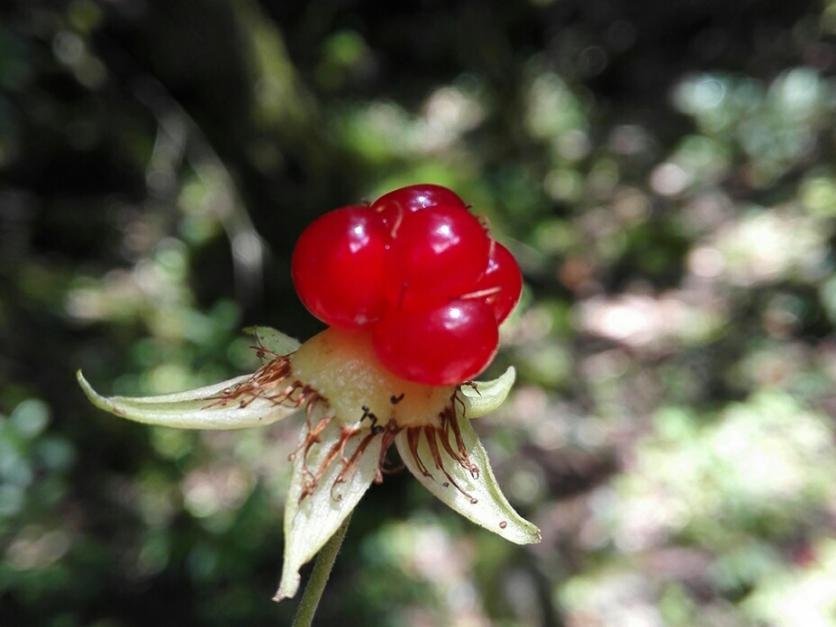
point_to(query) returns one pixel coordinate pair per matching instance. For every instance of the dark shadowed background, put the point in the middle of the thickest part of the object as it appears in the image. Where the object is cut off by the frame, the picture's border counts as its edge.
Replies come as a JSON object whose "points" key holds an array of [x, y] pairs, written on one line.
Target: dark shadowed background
{"points": [[664, 172]]}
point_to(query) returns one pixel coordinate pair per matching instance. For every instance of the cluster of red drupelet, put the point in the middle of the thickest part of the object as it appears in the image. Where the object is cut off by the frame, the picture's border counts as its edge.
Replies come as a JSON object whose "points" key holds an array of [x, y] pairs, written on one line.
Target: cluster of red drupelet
{"points": [[418, 271]]}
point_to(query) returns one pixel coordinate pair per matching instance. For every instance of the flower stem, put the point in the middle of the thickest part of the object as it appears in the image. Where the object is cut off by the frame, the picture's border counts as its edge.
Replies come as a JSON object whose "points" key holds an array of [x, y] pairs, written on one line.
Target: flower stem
{"points": [[319, 577]]}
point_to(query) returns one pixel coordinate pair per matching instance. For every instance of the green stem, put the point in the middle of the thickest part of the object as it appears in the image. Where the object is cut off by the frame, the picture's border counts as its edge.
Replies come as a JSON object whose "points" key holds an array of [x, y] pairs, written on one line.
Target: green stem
{"points": [[319, 577]]}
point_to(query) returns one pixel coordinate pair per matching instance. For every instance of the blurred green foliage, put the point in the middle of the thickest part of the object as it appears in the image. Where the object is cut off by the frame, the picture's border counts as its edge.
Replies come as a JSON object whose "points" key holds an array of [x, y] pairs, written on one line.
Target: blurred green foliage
{"points": [[663, 171]]}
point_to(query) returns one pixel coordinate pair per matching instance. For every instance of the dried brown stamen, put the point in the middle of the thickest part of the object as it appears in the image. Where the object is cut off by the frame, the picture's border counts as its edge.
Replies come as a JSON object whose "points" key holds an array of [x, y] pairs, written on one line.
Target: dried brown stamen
{"points": [[472, 385], [350, 465], [266, 383], [431, 434], [445, 442], [337, 450], [311, 437], [448, 424], [413, 435], [458, 401], [389, 434]]}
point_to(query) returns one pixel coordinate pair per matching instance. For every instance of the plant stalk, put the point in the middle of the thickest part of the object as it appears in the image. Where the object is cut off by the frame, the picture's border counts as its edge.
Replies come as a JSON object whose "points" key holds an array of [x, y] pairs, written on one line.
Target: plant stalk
{"points": [[319, 577]]}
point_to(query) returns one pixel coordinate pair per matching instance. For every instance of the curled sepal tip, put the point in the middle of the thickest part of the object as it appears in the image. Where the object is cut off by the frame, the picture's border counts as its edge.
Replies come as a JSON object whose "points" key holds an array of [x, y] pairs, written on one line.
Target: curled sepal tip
{"points": [[452, 464], [210, 407], [483, 397], [333, 467]]}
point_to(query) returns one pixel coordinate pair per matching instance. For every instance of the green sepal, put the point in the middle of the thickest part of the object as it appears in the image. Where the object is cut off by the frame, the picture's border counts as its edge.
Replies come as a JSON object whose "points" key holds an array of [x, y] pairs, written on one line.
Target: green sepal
{"points": [[483, 397], [479, 498], [310, 522], [273, 340], [202, 408]]}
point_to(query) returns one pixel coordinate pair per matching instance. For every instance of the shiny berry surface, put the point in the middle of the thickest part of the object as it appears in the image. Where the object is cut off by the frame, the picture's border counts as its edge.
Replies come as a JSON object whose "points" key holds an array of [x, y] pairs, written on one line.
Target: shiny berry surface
{"points": [[502, 280], [444, 345], [397, 204], [418, 272], [439, 253], [339, 267]]}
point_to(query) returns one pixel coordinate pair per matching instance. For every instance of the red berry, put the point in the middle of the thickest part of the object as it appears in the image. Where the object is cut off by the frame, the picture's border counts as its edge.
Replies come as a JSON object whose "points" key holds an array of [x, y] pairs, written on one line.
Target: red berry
{"points": [[395, 205], [504, 279], [439, 253], [445, 345], [339, 267]]}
